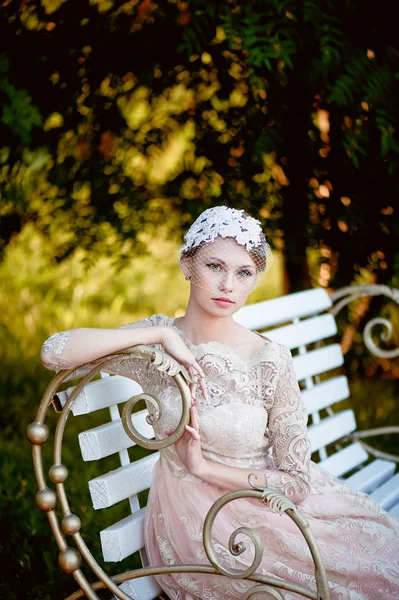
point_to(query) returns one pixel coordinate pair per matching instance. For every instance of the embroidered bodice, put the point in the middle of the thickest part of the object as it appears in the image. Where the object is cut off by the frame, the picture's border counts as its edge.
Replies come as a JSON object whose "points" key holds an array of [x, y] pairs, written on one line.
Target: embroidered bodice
{"points": [[253, 418]]}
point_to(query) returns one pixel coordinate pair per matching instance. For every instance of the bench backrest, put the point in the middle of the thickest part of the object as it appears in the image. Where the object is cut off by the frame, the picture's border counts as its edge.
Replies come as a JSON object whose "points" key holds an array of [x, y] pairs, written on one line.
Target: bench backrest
{"points": [[296, 320]]}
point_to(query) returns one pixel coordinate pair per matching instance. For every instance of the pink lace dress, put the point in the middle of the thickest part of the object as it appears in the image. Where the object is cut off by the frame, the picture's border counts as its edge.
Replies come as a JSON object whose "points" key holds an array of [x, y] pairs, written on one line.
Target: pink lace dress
{"points": [[254, 418]]}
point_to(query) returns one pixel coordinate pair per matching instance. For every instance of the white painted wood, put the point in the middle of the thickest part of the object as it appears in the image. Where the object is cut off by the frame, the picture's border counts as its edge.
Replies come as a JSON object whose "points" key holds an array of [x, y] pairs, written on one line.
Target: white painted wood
{"points": [[345, 460], [144, 588], [394, 511], [101, 393], [388, 494], [121, 483], [326, 393], [265, 314], [318, 361], [372, 476], [110, 438], [124, 537], [304, 332], [331, 429]]}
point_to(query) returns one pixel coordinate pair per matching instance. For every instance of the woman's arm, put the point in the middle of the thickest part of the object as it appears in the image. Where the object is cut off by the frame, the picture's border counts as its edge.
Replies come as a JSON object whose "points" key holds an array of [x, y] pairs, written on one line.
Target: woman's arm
{"points": [[76, 347], [291, 446]]}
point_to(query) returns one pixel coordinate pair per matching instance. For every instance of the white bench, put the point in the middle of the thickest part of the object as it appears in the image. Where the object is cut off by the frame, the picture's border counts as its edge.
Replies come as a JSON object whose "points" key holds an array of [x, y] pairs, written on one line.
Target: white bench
{"points": [[303, 322]]}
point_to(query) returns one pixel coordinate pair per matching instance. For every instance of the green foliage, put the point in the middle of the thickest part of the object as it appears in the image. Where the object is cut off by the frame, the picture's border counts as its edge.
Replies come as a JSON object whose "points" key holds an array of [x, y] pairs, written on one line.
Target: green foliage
{"points": [[265, 32], [17, 111]]}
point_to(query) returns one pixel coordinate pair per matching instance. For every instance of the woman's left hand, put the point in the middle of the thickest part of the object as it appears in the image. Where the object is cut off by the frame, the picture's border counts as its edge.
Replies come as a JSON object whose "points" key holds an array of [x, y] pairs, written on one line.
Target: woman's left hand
{"points": [[188, 448]]}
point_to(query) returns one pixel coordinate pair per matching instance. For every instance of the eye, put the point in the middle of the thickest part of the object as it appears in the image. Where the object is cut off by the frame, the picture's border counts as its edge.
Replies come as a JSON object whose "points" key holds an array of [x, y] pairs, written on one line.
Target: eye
{"points": [[245, 273], [213, 266]]}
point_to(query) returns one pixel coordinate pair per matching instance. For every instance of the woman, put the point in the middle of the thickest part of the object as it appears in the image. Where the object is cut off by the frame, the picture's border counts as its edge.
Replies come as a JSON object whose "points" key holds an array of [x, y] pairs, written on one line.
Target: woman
{"points": [[247, 417]]}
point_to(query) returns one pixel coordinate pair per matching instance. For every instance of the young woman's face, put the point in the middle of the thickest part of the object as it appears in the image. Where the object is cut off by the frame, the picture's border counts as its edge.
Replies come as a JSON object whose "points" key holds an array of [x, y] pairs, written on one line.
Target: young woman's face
{"points": [[222, 274]]}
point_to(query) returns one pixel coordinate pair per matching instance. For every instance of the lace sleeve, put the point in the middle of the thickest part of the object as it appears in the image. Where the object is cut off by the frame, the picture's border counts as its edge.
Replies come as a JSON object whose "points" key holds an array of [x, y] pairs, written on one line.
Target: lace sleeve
{"points": [[52, 351], [287, 424]]}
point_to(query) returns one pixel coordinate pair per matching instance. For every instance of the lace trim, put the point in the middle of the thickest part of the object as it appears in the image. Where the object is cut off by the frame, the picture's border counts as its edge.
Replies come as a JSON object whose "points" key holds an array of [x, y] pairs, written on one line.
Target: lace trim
{"points": [[226, 350], [57, 342]]}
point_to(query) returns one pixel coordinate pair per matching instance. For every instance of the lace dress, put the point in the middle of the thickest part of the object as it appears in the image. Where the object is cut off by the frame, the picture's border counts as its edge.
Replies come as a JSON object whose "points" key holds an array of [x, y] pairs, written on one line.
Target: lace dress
{"points": [[254, 418]]}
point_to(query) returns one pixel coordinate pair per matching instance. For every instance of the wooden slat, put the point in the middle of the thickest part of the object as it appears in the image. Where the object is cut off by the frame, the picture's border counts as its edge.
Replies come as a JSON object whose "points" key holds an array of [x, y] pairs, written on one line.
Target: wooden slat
{"points": [[388, 494], [331, 429], [345, 460], [122, 483], [143, 588], [101, 394], [372, 476], [326, 393], [318, 361], [110, 438], [124, 537], [305, 332], [284, 309]]}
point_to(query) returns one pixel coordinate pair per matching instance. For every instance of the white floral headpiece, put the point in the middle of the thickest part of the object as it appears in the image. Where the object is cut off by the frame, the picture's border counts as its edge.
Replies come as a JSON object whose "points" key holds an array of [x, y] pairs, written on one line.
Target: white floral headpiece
{"points": [[222, 221]]}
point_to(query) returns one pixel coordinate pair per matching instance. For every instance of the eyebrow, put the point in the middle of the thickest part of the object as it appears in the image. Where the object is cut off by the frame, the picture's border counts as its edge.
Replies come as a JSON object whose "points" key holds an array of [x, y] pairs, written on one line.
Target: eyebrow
{"points": [[222, 261]]}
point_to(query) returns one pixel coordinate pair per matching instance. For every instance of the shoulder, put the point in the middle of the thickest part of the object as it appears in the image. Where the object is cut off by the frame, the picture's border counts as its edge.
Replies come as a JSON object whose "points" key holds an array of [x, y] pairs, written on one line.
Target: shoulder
{"points": [[152, 321]]}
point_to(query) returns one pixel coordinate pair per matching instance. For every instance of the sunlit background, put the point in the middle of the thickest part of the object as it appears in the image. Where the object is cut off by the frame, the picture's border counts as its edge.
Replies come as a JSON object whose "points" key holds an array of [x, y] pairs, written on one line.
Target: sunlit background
{"points": [[119, 123]]}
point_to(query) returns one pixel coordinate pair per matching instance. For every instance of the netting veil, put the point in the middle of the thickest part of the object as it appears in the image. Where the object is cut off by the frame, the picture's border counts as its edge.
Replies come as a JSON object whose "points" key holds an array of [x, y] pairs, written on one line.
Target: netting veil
{"points": [[225, 250]]}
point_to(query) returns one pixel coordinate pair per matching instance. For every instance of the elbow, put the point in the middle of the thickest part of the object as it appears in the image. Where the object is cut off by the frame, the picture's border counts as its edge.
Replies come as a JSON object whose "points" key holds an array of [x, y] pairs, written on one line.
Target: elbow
{"points": [[46, 356]]}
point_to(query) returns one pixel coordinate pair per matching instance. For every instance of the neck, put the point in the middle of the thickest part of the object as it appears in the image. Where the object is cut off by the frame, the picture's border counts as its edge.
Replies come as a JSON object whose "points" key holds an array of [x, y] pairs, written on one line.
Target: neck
{"points": [[201, 326]]}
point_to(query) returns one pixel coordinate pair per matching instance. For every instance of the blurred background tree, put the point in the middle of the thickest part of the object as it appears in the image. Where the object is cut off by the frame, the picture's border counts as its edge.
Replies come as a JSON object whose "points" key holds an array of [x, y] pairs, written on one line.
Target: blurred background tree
{"points": [[120, 121]]}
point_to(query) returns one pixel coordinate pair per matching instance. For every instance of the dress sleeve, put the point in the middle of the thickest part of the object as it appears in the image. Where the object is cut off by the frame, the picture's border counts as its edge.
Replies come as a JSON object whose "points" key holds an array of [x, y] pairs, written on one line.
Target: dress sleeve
{"points": [[287, 424]]}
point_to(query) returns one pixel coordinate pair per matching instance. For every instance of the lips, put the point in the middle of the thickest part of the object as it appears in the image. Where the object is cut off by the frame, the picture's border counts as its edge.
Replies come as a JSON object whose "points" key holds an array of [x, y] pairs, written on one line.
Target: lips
{"points": [[224, 300]]}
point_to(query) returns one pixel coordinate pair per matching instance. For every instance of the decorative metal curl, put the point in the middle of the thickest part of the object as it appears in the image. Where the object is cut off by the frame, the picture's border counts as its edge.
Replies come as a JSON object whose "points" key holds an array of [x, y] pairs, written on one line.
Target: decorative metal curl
{"points": [[385, 336], [278, 503], [168, 365], [262, 588], [349, 293]]}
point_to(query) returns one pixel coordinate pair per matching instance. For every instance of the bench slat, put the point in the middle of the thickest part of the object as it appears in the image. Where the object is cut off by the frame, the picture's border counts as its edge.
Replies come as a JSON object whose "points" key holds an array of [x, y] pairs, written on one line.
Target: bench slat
{"points": [[326, 393], [305, 332], [372, 476], [123, 482], [345, 460], [124, 537], [394, 511], [318, 361], [331, 429], [388, 494], [110, 438], [281, 310], [101, 393], [143, 588]]}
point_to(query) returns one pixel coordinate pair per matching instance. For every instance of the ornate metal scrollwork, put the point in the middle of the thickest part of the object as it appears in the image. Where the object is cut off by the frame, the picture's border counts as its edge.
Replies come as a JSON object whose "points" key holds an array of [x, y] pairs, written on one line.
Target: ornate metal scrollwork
{"points": [[277, 503], [165, 363], [349, 293], [70, 558]]}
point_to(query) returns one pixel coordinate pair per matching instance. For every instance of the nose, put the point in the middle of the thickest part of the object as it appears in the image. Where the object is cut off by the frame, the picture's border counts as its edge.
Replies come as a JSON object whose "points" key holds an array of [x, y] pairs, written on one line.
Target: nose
{"points": [[226, 283]]}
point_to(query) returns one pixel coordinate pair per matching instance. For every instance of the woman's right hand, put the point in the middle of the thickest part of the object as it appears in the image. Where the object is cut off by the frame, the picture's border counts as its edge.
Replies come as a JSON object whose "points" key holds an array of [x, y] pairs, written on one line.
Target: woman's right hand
{"points": [[174, 345]]}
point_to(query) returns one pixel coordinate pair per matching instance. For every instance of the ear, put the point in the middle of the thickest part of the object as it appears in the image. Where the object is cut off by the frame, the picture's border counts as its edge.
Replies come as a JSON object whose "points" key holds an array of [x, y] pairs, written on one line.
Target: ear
{"points": [[185, 268]]}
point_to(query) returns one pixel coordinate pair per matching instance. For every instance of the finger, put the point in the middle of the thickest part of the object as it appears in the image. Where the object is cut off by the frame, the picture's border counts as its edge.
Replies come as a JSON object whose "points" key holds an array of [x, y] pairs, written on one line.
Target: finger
{"points": [[199, 370], [193, 432], [193, 390], [201, 379], [202, 384], [194, 416]]}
